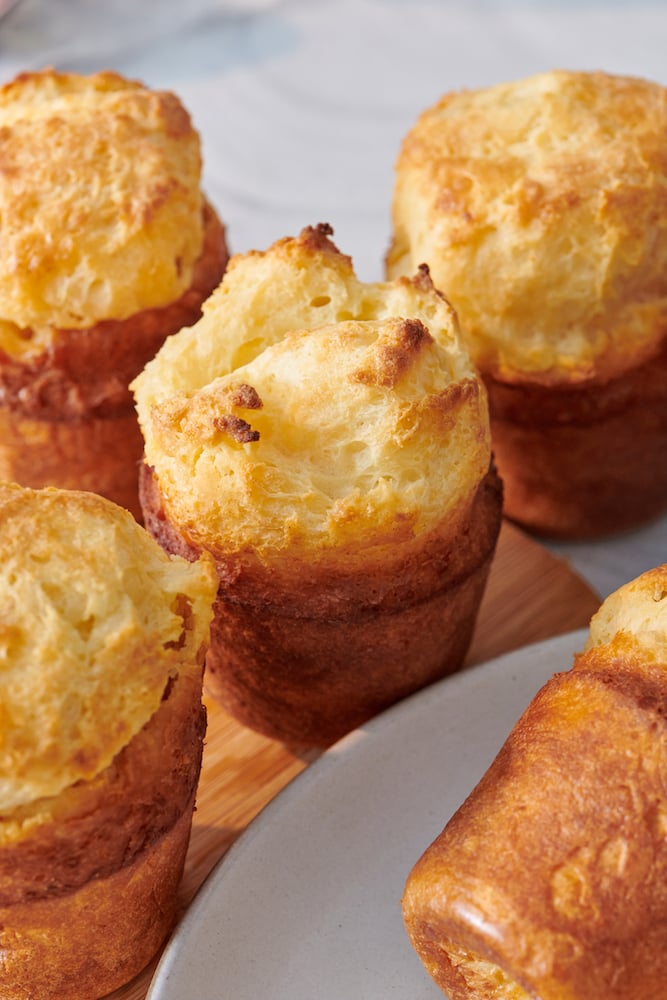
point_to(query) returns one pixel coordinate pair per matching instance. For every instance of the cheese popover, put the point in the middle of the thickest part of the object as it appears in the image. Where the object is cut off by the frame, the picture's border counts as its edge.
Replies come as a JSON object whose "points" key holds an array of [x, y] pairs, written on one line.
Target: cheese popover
{"points": [[539, 206], [108, 245], [550, 880], [102, 646], [327, 440]]}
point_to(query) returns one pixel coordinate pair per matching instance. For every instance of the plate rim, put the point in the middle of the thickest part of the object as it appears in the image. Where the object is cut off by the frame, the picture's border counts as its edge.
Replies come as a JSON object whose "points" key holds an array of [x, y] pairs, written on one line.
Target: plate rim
{"points": [[334, 757]]}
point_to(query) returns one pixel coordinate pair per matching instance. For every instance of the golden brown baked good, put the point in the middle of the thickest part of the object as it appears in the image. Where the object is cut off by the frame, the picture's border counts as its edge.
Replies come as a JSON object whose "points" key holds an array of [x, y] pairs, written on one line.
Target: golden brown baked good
{"points": [[551, 879], [102, 645], [327, 441], [108, 246], [539, 206]]}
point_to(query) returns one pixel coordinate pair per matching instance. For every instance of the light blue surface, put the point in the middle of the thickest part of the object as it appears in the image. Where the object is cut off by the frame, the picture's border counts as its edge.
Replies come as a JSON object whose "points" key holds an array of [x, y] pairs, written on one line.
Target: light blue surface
{"points": [[302, 106]]}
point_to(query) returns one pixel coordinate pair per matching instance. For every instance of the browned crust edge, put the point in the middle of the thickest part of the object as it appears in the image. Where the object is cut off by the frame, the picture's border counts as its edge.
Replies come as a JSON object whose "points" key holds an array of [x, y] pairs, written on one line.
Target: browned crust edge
{"points": [[86, 373], [89, 942], [587, 461], [104, 824], [309, 661], [555, 867], [100, 455]]}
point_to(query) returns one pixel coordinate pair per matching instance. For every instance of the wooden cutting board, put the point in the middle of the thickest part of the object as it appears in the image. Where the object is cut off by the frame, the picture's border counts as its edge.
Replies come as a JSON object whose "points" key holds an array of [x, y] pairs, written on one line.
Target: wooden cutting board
{"points": [[531, 595]]}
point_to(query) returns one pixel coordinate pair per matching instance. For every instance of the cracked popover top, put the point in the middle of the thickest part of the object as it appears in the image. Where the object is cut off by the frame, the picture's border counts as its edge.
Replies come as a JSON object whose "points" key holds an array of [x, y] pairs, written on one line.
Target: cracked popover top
{"points": [[540, 206], [308, 410], [96, 620], [100, 201]]}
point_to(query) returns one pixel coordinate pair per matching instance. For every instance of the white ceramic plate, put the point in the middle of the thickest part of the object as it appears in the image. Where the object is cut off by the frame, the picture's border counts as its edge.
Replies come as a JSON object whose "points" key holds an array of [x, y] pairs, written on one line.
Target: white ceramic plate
{"points": [[306, 904]]}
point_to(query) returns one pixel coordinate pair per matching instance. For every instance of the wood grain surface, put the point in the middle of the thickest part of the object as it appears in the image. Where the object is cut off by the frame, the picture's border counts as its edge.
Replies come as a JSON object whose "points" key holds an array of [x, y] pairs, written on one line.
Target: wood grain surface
{"points": [[531, 595]]}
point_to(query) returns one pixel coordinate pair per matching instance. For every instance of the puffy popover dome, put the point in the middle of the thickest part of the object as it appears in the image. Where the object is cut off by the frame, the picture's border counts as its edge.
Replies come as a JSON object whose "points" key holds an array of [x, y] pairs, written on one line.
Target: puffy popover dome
{"points": [[307, 409], [541, 209], [100, 199], [94, 621], [636, 611]]}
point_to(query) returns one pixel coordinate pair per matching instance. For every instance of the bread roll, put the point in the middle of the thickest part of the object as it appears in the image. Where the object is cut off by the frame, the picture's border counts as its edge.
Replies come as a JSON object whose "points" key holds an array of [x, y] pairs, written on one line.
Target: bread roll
{"points": [[102, 645], [108, 245], [539, 206], [327, 441], [550, 881]]}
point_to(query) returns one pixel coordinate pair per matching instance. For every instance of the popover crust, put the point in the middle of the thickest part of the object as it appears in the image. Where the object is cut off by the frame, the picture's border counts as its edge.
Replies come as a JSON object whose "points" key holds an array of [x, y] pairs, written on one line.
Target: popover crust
{"points": [[95, 621], [304, 653], [586, 460], [89, 942], [125, 229], [74, 374], [551, 879], [108, 247], [99, 454], [67, 417], [54, 845], [540, 208], [327, 441], [102, 647]]}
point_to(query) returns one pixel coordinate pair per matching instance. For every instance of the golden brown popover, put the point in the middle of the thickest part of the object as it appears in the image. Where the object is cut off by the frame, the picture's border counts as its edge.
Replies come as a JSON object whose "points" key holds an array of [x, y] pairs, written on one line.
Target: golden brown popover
{"points": [[108, 246], [540, 207], [327, 441], [102, 647], [550, 881]]}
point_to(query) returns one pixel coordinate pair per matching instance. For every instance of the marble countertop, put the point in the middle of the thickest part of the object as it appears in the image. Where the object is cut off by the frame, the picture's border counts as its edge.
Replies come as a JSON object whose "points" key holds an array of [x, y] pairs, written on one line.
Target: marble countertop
{"points": [[302, 104]]}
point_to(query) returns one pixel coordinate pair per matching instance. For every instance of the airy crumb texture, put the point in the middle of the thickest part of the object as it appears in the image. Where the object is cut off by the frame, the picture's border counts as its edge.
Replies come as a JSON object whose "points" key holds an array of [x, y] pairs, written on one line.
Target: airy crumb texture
{"points": [[638, 611], [307, 409], [541, 208], [125, 228], [550, 880], [95, 621]]}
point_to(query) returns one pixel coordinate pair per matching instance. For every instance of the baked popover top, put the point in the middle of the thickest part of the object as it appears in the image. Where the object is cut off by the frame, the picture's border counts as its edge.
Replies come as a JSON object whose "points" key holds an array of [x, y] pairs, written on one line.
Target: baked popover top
{"points": [[100, 201], [307, 409], [95, 620], [540, 206]]}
